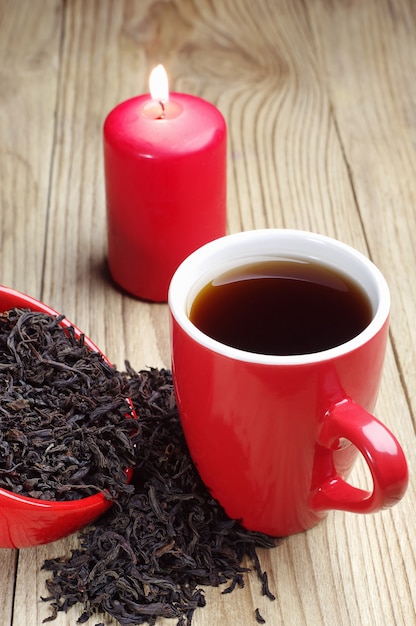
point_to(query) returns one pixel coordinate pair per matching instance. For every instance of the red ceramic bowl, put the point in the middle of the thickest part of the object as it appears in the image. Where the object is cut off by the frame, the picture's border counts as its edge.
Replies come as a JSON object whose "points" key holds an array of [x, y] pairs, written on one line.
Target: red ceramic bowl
{"points": [[25, 521]]}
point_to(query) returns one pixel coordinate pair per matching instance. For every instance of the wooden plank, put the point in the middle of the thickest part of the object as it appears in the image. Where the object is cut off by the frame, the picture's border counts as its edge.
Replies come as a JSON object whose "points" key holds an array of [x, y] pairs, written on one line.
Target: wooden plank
{"points": [[8, 567], [28, 87]]}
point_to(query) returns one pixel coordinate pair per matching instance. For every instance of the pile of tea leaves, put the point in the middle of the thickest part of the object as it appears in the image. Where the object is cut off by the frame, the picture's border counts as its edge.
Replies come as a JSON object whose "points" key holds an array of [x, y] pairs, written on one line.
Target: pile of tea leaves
{"points": [[65, 428], [151, 554]]}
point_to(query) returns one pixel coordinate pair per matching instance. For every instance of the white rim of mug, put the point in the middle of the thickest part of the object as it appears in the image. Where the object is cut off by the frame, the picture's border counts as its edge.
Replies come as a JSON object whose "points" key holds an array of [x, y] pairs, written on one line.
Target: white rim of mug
{"points": [[190, 278]]}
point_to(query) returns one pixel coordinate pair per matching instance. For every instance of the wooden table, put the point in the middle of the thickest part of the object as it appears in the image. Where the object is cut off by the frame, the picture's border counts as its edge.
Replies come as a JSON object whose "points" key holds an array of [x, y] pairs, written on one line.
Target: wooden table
{"points": [[320, 102]]}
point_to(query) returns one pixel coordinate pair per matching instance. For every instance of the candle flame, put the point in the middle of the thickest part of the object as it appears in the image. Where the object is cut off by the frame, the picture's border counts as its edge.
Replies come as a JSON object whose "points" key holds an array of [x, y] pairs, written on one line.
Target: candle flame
{"points": [[159, 86]]}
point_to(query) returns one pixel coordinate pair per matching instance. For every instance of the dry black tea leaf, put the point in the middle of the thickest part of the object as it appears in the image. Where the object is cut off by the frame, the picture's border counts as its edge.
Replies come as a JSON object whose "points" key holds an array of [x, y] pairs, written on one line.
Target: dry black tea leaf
{"points": [[65, 429], [150, 555]]}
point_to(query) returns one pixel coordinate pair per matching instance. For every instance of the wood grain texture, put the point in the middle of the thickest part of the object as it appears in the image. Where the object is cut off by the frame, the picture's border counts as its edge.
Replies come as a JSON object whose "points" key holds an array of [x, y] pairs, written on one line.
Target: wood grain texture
{"points": [[28, 90], [319, 98], [8, 571]]}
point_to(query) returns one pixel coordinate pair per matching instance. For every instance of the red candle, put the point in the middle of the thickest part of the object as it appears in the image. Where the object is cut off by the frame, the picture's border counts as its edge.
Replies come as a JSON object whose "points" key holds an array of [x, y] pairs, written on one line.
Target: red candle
{"points": [[165, 173]]}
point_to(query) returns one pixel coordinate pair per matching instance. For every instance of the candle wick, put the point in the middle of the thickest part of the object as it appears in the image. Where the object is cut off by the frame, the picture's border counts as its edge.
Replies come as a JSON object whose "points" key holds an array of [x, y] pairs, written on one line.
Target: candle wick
{"points": [[162, 115]]}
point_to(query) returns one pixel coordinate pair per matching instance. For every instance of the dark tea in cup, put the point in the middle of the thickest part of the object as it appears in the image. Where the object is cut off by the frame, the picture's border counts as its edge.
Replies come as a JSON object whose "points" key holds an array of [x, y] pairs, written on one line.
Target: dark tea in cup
{"points": [[282, 307]]}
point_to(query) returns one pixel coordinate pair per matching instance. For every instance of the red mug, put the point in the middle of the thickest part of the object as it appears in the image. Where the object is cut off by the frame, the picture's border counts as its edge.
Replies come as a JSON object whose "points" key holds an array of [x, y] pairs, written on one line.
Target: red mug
{"points": [[273, 437]]}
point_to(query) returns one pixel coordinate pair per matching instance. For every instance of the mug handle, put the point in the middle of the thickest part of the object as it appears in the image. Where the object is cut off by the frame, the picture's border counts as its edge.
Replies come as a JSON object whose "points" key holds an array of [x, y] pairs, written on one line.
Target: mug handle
{"points": [[381, 451]]}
